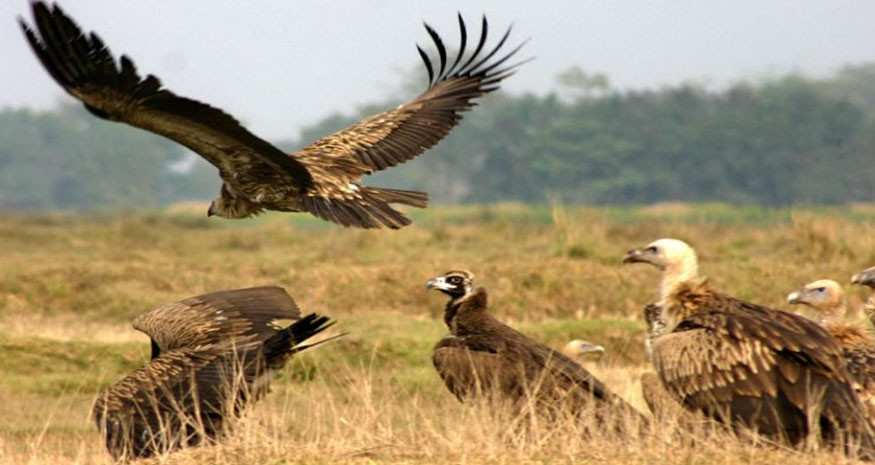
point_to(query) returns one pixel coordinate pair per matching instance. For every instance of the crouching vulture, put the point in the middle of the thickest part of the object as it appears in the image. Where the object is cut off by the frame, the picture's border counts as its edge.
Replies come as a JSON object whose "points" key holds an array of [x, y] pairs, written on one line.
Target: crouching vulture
{"points": [[484, 358], [212, 356], [749, 366]]}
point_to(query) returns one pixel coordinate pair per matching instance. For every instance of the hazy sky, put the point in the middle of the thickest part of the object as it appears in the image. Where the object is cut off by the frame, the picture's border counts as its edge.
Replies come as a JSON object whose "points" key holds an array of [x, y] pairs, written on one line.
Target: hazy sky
{"points": [[279, 64]]}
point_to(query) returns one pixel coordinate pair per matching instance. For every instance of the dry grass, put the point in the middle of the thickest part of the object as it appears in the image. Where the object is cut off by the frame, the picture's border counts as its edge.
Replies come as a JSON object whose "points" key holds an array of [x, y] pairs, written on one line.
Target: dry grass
{"points": [[69, 287]]}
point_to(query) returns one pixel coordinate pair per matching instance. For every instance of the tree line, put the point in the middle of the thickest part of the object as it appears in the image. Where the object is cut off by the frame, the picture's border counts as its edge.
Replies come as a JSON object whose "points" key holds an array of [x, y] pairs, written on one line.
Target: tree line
{"points": [[776, 142]]}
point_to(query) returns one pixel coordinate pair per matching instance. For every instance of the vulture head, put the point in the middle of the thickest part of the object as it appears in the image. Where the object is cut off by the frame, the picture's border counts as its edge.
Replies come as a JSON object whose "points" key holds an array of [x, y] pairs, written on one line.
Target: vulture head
{"points": [[665, 254], [675, 258], [231, 206], [824, 295], [579, 348], [455, 283], [865, 277]]}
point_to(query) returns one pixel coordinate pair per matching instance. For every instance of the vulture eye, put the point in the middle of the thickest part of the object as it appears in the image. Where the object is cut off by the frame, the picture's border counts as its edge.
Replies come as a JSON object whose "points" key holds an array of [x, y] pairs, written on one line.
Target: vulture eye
{"points": [[651, 249], [455, 280], [820, 290]]}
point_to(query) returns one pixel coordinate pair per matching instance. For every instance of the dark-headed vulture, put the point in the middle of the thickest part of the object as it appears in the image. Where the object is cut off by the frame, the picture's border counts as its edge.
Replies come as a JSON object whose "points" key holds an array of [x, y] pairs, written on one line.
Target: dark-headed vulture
{"points": [[322, 178], [867, 278], [212, 355], [742, 364], [484, 358], [827, 298]]}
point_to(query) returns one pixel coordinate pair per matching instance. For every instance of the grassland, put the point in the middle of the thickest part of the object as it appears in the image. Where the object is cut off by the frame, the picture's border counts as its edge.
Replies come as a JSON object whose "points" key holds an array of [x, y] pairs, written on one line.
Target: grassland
{"points": [[69, 286]]}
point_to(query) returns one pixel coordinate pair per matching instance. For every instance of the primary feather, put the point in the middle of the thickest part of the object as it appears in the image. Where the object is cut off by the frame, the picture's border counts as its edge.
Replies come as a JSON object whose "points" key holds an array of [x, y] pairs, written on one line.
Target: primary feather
{"points": [[324, 177]]}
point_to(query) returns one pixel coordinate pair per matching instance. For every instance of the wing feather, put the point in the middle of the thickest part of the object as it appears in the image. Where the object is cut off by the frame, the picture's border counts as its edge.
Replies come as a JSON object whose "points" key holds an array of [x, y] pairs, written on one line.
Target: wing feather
{"points": [[85, 68], [398, 135], [235, 317]]}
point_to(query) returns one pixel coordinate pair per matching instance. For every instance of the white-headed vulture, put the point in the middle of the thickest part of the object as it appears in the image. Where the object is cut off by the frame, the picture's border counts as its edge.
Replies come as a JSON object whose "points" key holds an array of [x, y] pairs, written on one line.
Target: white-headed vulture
{"points": [[749, 366]]}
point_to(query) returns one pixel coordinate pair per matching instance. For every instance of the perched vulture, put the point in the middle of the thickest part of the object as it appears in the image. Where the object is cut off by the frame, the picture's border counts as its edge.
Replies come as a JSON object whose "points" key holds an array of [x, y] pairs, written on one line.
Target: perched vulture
{"points": [[867, 278], [322, 178], [827, 298], [749, 366], [578, 349], [212, 355], [484, 358]]}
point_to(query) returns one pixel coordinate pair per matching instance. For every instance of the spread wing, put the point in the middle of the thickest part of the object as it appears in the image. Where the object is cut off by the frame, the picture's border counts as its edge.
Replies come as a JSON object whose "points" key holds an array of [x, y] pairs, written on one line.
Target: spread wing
{"points": [[226, 317], [169, 403], [398, 135], [189, 395], [86, 69]]}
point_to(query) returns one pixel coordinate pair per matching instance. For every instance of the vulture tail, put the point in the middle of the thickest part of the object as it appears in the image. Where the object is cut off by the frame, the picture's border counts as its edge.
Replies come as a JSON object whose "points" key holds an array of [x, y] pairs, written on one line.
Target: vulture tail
{"points": [[289, 341], [368, 210]]}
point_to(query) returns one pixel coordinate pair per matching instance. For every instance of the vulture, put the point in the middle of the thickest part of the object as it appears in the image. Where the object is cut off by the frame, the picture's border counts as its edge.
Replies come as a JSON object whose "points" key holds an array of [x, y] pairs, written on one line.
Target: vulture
{"points": [[483, 358], [578, 348], [323, 178], [212, 355], [827, 298], [867, 278], [746, 365]]}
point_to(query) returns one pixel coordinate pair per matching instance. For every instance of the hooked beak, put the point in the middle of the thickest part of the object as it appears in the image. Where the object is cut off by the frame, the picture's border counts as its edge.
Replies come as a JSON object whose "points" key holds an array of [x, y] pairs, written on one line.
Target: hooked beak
{"points": [[865, 277], [210, 211], [795, 297], [579, 347], [438, 283], [634, 256]]}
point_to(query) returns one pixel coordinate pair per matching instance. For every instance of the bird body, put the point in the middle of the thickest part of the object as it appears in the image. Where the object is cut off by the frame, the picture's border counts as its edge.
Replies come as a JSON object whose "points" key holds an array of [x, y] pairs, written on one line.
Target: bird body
{"points": [[212, 356], [827, 298], [483, 358], [323, 178], [746, 365]]}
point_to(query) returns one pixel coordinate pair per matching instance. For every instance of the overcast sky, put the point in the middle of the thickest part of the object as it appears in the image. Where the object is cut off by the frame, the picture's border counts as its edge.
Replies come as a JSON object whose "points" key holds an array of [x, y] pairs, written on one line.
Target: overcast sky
{"points": [[277, 65]]}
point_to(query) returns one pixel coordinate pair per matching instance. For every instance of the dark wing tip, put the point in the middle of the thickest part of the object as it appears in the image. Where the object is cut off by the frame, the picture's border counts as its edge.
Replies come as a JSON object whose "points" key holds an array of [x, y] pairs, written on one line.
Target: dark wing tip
{"points": [[442, 50]]}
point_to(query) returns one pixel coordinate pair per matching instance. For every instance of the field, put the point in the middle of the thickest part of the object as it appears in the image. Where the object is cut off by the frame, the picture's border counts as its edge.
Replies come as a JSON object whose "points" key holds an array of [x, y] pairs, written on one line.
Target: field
{"points": [[69, 286]]}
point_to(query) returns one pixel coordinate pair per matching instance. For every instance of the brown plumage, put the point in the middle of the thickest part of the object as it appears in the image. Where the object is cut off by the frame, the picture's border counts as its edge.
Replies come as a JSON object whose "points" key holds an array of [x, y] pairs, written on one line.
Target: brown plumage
{"points": [[867, 278], [662, 405], [323, 178], [747, 365], [484, 358], [212, 355], [827, 298]]}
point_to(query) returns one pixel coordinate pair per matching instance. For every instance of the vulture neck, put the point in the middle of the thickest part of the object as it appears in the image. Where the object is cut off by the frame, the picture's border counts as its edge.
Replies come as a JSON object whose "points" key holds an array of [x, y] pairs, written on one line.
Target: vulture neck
{"points": [[833, 314], [675, 276], [869, 308], [463, 313]]}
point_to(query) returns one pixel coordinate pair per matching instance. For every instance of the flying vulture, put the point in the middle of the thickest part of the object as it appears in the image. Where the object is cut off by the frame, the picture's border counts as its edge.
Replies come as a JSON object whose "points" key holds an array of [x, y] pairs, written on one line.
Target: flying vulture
{"points": [[322, 178], [484, 358], [749, 366], [827, 298], [212, 355], [867, 278]]}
